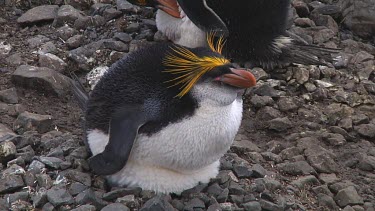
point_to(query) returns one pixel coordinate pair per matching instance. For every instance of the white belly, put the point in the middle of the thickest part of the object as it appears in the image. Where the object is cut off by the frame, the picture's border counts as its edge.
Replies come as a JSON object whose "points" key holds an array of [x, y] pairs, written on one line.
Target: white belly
{"points": [[182, 154]]}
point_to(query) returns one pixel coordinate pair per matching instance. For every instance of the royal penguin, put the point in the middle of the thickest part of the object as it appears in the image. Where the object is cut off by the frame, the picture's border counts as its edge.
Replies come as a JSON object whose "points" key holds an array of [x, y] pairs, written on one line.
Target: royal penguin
{"points": [[256, 30], [163, 116]]}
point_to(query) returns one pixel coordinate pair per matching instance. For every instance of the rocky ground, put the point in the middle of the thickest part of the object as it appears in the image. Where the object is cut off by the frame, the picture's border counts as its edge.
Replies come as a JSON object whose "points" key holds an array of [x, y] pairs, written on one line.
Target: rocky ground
{"points": [[307, 141]]}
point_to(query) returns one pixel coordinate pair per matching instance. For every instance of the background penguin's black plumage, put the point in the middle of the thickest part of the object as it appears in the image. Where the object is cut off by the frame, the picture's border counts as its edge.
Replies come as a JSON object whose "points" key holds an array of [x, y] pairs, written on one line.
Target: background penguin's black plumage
{"points": [[254, 28]]}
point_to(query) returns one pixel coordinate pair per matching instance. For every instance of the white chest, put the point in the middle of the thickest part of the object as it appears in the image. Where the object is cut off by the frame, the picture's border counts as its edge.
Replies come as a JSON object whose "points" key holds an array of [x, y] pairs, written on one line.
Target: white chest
{"points": [[180, 31], [192, 143]]}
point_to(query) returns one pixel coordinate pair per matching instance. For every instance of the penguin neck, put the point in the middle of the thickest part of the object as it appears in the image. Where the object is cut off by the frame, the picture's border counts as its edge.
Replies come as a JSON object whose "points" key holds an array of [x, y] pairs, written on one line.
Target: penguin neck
{"points": [[181, 31]]}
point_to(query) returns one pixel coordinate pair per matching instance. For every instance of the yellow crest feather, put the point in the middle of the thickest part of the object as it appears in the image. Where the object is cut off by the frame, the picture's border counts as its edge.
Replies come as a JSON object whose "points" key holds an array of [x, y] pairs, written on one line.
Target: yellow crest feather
{"points": [[190, 66], [218, 48]]}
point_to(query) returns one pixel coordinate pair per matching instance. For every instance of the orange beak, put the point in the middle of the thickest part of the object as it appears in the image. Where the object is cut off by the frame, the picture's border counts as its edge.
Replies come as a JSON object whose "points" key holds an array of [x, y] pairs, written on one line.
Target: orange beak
{"points": [[170, 7], [238, 78]]}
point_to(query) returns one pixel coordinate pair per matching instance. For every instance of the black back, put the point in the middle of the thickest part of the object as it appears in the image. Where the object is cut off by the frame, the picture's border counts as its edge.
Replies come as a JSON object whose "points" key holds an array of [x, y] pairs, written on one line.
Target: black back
{"points": [[134, 79], [253, 25]]}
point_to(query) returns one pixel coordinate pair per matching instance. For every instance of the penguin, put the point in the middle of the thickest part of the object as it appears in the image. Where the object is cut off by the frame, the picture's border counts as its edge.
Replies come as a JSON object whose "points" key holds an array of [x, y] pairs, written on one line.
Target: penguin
{"points": [[256, 30], [163, 116]]}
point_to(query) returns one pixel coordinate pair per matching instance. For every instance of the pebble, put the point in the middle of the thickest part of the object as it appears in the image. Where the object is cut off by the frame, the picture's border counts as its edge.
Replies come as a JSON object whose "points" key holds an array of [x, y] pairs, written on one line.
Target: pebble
{"points": [[280, 124], [89, 197], [52, 61], [367, 163], [58, 196], [77, 176], [14, 59], [115, 207], [258, 171], [10, 183], [305, 180], [7, 151], [49, 80], [348, 196], [328, 178], [252, 206], [44, 180], [286, 104], [261, 101], [327, 201], [65, 32], [37, 41], [158, 203], [9, 96], [39, 14], [125, 6], [75, 41], [297, 168], [67, 14], [51, 161], [22, 196], [33, 122], [88, 207], [48, 47], [39, 198], [322, 189], [366, 130], [242, 172]]}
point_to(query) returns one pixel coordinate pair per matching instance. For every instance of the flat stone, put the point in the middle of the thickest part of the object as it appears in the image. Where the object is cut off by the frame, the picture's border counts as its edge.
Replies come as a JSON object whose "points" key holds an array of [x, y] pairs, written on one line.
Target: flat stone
{"points": [[39, 14], [44, 180], [322, 189], [242, 172], [280, 124], [65, 32], [77, 176], [158, 203], [9, 96], [194, 203], [115, 207], [75, 41], [5, 48], [319, 158], [129, 201], [348, 196], [48, 207], [7, 151], [366, 130], [116, 45], [89, 207], [289, 153], [261, 101], [111, 13], [336, 187], [33, 122], [52, 61], [124, 37], [267, 205], [42, 79], [305, 180], [269, 183], [125, 6], [89, 197], [22, 196], [297, 168], [252, 206], [67, 14], [14, 59], [37, 41], [258, 171], [51, 161], [327, 202], [59, 196], [10, 183], [48, 47], [39, 198], [367, 163], [328, 178]]}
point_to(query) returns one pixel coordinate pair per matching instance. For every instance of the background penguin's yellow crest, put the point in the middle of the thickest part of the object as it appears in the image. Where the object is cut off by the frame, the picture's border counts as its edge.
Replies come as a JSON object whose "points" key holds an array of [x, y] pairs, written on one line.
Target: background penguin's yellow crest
{"points": [[190, 67]]}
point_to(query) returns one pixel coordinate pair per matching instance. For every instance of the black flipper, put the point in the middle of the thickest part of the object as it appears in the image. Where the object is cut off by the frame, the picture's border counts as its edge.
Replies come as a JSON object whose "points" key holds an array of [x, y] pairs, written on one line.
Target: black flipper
{"points": [[79, 92], [203, 17], [124, 126]]}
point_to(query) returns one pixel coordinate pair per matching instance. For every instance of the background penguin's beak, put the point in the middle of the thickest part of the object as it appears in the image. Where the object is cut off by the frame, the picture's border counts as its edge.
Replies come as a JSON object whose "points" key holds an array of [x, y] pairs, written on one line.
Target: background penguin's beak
{"points": [[238, 78], [169, 6]]}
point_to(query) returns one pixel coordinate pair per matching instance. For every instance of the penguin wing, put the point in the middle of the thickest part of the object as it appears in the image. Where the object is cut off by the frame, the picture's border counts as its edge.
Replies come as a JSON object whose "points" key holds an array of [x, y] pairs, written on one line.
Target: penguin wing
{"points": [[79, 92], [123, 130]]}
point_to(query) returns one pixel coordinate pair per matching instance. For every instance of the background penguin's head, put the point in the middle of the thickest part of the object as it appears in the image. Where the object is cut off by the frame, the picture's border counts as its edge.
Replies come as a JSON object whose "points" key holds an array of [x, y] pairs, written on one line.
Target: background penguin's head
{"points": [[205, 73]]}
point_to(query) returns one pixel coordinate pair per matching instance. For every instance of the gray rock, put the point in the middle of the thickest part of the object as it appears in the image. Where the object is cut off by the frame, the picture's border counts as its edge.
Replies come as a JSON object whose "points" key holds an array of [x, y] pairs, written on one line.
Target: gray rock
{"points": [[76, 188], [51, 161], [89, 197], [39, 14], [334, 139], [7, 151], [124, 37], [348, 196], [48, 81], [65, 32], [116, 45], [111, 13], [269, 156], [289, 153], [280, 124], [322, 189], [328, 178], [77, 176], [304, 22], [125, 6], [366, 130], [335, 188], [252, 206], [9, 96], [261, 101], [33, 122], [287, 104], [44, 180], [194, 203], [304, 181], [6, 134], [14, 59], [327, 202], [22, 196], [296, 168], [129, 201], [268, 183], [52, 61], [258, 171], [242, 144], [214, 190], [321, 159], [75, 41], [242, 172], [88, 207], [47, 47], [359, 16], [367, 163], [158, 203], [36, 166], [115, 207], [348, 208], [301, 75], [10, 183], [236, 189], [37, 41], [48, 207], [58, 196], [267, 205], [39, 198], [67, 14]]}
